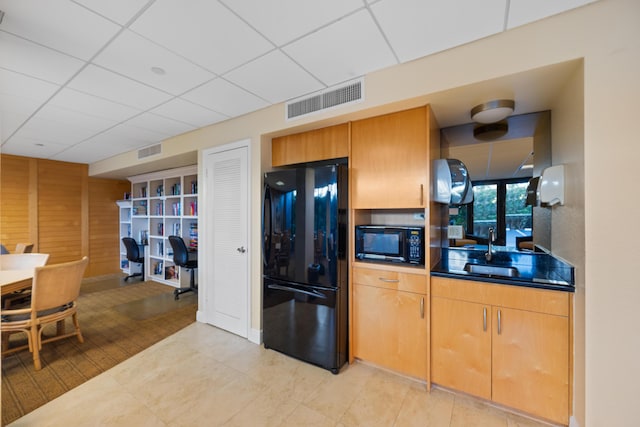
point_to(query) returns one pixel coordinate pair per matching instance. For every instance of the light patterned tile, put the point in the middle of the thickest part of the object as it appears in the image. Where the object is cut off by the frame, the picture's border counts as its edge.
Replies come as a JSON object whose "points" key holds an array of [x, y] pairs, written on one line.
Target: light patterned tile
{"points": [[269, 409], [304, 416], [379, 402], [472, 412], [422, 408]]}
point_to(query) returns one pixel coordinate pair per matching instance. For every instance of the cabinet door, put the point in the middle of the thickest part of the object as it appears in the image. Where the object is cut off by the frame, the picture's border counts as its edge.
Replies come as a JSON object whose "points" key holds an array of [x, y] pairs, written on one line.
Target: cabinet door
{"points": [[531, 362], [461, 346], [389, 161], [390, 329], [320, 144]]}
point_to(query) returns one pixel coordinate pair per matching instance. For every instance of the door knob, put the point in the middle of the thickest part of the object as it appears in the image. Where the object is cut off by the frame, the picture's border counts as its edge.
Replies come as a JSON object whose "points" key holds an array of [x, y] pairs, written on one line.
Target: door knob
{"points": [[241, 249]]}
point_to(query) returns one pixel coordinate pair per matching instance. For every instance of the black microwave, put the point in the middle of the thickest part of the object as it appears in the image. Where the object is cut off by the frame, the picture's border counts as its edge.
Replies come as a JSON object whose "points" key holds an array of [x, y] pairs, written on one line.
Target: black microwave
{"points": [[395, 244]]}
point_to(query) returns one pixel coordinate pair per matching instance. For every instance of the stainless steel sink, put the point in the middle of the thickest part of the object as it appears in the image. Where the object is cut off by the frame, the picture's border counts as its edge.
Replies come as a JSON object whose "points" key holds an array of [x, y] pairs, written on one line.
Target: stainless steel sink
{"points": [[491, 270]]}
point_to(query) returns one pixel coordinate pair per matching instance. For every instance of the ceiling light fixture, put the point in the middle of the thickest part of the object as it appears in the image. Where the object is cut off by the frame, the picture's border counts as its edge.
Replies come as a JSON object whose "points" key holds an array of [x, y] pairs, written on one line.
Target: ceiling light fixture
{"points": [[491, 131], [158, 70], [493, 111], [1, 16]]}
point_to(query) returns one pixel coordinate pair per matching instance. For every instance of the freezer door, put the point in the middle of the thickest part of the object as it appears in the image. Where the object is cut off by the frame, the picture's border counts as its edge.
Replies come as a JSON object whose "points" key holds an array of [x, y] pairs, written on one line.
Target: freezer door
{"points": [[304, 235], [305, 322]]}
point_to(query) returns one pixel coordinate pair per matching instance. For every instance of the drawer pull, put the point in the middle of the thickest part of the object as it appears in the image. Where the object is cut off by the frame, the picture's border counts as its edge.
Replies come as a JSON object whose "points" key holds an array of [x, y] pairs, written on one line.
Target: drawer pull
{"points": [[484, 319], [422, 308], [499, 323], [421, 194], [388, 280]]}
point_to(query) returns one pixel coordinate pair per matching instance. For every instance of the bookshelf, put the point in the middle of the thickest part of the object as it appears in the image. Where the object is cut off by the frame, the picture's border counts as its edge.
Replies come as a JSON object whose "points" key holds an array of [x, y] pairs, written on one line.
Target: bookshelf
{"points": [[162, 204]]}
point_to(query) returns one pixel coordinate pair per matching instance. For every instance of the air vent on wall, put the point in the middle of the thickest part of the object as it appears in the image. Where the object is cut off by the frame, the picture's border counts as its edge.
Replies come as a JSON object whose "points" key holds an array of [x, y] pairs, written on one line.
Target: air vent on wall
{"points": [[149, 151], [348, 93]]}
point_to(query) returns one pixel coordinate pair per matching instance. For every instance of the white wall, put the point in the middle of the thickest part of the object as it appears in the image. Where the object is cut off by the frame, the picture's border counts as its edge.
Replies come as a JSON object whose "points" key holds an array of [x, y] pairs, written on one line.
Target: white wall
{"points": [[607, 35]]}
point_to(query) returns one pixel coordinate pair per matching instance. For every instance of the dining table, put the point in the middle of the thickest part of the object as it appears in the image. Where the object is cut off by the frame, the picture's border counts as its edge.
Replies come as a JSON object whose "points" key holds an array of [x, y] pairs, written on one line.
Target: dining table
{"points": [[15, 280]]}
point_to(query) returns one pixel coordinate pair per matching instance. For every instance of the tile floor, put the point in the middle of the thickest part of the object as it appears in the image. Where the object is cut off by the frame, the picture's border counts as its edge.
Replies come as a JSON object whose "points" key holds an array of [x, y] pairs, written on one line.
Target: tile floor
{"points": [[203, 376]]}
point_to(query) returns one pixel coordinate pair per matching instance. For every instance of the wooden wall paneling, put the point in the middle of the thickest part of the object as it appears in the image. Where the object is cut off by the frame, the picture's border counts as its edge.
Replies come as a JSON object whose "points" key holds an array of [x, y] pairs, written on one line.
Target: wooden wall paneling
{"points": [[61, 210], [104, 233], [16, 201]]}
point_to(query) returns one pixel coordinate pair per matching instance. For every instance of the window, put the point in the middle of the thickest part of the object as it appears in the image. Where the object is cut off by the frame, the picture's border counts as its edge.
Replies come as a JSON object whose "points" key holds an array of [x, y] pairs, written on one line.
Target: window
{"points": [[497, 204]]}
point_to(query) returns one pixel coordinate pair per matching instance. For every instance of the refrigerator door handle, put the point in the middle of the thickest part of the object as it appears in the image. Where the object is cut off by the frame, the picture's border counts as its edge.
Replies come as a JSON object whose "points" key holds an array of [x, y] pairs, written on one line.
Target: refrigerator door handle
{"points": [[266, 234], [286, 288]]}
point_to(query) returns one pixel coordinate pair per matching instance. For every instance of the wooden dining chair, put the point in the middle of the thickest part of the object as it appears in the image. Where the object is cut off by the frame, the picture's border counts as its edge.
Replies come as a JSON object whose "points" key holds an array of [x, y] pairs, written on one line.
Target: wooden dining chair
{"points": [[54, 296], [24, 248]]}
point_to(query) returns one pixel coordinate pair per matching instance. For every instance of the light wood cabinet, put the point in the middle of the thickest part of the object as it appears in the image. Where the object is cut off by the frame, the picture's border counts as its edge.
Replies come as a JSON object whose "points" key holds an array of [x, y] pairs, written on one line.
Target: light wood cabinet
{"points": [[505, 343], [390, 320], [461, 346], [389, 162], [327, 143]]}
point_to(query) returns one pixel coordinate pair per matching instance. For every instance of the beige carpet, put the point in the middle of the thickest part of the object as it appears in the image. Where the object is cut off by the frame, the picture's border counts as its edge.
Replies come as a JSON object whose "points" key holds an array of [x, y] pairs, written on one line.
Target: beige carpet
{"points": [[117, 319]]}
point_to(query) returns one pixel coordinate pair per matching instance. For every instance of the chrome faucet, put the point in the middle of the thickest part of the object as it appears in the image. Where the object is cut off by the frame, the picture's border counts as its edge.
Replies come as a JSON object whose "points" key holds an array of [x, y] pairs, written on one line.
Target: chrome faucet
{"points": [[492, 237]]}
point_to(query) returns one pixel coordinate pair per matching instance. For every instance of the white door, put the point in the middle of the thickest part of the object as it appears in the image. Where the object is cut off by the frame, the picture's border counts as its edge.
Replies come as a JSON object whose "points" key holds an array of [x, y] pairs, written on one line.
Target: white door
{"points": [[226, 275]]}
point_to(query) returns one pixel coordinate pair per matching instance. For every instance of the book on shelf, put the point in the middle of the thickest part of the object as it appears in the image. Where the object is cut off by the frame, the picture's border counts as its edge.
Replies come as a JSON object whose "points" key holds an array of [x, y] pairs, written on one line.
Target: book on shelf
{"points": [[176, 229], [193, 209], [160, 191], [170, 272], [193, 235], [157, 267], [160, 248], [160, 229], [194, 187], [124, 263]]}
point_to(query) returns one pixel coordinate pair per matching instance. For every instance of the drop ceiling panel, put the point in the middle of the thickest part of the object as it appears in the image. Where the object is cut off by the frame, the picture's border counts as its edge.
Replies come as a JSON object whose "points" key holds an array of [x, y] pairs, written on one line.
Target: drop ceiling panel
{"points": [[274, 77], [60, 126], [58, 24], [97, 148], [343, 50], [188, 112], [92, 105], [203, 31], [162, 125], [524, 11], [127, 131], [32, 147], [111, 86], [285, 20], [120, 11], [11, 121], [133, 56], [416, 28], [28, 58], [225, 98]]}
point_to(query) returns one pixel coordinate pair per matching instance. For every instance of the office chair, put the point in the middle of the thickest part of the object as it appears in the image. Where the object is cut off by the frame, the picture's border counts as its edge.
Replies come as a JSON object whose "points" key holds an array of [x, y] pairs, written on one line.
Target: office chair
{"points": [[181, 259], [134, 255]]}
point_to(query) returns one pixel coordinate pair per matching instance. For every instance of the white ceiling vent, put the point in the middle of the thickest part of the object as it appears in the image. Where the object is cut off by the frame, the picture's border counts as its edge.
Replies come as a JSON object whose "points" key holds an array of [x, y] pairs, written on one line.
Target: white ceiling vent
{"points": [[151, 150], [348, 93]]}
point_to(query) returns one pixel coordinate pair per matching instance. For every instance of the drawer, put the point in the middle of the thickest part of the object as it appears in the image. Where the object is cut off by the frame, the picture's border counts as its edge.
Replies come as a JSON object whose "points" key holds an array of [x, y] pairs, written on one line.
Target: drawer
{"points": [[390, 280], [512, 296]]}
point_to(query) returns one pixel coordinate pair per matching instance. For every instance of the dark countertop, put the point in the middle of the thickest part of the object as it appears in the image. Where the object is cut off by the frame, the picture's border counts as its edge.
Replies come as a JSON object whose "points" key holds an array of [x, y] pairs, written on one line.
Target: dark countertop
{"points": [[536, 270]]}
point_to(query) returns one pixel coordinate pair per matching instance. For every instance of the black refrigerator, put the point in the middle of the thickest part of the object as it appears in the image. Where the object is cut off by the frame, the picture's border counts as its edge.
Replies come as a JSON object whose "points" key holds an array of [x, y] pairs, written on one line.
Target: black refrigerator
{"points": [[304, 231]]}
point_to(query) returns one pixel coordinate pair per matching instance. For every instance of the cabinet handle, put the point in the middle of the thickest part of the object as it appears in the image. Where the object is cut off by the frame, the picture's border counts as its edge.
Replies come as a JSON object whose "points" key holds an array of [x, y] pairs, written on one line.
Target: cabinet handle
{"points": [[422, 308], [499, 323], [484, 319], [421, 194], [388, 280]]}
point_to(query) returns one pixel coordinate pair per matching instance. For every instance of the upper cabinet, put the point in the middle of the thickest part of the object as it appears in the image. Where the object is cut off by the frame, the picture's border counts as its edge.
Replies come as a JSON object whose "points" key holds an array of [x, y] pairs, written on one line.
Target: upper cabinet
{"points": [[389, 159], [321, 144]]}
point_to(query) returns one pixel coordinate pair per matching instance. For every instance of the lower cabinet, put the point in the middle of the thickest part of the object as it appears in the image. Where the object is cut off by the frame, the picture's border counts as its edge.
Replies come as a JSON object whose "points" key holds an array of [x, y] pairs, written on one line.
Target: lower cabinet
{"points": [[389, 323], [504, 343]]}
